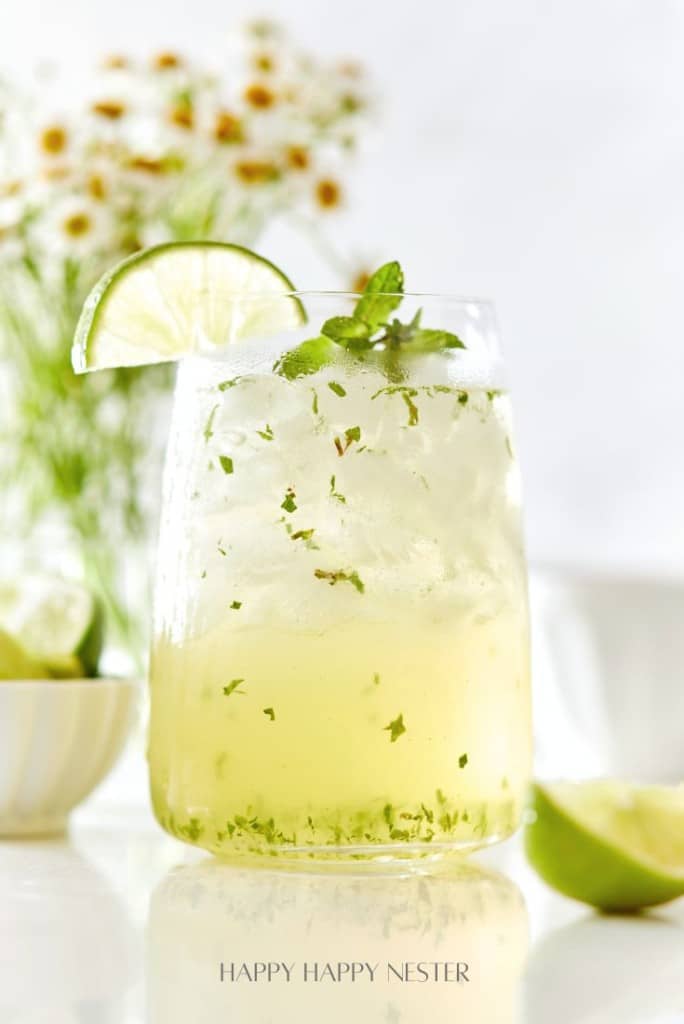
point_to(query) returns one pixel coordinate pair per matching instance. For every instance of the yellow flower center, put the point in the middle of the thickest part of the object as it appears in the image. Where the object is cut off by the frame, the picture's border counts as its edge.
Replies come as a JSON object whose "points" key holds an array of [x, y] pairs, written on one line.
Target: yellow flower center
{"points": [[298, 158], [228, 128], [183, 116], [360, 281], [11, 188], [259, 96], [116, 61], [166, 60], [96, 187], [77, 225], [328, 193], [264, 62], [256, 172], [54, 139], [111, 109], [147, 164]]}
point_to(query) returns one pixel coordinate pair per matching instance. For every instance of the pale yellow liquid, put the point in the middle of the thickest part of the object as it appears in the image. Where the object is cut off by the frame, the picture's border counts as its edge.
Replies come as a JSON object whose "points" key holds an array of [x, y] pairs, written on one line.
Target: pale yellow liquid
{"points": [[299, 757]]}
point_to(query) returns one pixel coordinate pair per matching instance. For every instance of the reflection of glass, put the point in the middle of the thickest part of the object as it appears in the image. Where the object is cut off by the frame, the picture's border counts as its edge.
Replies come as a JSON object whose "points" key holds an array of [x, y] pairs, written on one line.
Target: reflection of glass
{"points": [[602, 969], [206, 915], [341, 658], [64, 938]]}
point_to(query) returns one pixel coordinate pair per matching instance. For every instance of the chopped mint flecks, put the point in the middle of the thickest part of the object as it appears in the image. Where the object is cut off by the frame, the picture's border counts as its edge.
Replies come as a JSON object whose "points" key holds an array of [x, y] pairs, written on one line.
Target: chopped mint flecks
{"points": [[266, 433], [337, 389], [396, 728], [192, 831], [351, 435], [221, 550], [270, 713], [408, 394], [463, 398], [256, 827], [203, 574], [226, 463], [236, 605], [340, 576], [289, 503], [463, 761], [509, 446], [335, 494], [232, 687], [208, 429], [226, 385], [314, 402], [376, 678], [306, 536]]}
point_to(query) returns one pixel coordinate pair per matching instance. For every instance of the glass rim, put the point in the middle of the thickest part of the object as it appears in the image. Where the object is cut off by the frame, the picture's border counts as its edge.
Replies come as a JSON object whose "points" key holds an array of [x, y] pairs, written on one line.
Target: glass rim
{"points": [[331, 293]]}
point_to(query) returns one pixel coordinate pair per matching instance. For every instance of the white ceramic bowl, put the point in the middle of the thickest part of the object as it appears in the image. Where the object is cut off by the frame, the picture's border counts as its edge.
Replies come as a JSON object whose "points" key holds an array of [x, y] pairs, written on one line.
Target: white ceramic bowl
{"points": [[58, 740], [608, 675]]}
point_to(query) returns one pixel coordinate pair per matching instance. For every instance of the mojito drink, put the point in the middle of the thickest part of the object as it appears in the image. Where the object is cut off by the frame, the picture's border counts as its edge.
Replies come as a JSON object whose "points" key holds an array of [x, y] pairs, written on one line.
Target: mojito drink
{"points": [[340, 664]]}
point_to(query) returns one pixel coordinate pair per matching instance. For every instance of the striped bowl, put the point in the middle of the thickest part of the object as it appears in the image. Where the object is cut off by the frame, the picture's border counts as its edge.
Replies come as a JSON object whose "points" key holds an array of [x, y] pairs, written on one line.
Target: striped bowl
{"points": [[58, 740]]}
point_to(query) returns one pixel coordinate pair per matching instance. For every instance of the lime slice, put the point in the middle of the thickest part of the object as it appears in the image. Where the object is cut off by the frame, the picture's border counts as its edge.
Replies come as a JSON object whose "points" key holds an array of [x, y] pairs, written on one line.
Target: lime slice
{"points": [[58, 623], [15, 663], [176, 299], [615, 846]]}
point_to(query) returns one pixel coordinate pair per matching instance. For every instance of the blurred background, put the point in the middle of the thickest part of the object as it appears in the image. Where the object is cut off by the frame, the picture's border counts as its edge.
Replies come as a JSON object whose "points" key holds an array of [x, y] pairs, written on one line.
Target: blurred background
{"points": [[533, 154]]}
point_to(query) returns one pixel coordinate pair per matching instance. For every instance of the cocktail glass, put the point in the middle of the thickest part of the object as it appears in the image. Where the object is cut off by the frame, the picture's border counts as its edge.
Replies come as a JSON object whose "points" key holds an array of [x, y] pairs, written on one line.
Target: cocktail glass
{"points": [[340, 664]]}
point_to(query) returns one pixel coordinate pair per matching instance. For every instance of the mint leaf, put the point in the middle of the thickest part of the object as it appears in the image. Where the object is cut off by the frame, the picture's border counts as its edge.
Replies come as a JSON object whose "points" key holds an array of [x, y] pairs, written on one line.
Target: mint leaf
{"points": [[430, 340], [270, 713], [226, 463], [463, 761], [374, 307], [306, 358], [337, 389], [348, 331], [369, 328]]}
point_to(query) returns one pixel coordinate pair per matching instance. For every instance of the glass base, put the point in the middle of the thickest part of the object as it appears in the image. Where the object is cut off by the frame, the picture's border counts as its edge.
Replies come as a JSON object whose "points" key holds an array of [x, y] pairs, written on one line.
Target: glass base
{"points": [[390, 858], [401, 839]]}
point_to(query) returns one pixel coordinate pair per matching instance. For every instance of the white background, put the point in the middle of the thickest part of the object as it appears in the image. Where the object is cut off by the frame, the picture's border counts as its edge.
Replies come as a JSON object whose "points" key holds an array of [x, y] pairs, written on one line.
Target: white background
{"points": [[532, 152]]}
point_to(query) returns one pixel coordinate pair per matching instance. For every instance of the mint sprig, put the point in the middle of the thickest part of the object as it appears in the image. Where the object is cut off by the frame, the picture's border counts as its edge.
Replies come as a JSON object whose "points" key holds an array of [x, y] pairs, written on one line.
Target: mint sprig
{"points": [[369, 329]]}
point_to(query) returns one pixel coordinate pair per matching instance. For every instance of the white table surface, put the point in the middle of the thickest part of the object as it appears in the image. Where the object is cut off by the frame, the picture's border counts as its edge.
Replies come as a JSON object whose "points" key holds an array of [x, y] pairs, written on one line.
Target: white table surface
{"points": [[120, 924]]}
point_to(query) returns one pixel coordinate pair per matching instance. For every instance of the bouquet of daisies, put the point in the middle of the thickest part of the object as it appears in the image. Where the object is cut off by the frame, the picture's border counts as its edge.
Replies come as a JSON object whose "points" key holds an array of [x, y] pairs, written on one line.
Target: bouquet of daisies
{"points": [[153, 150]]}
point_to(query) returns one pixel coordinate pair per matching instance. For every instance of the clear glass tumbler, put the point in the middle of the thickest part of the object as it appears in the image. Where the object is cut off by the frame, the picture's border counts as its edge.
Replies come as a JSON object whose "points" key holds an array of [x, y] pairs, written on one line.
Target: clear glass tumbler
{"points": [[340, 665]]}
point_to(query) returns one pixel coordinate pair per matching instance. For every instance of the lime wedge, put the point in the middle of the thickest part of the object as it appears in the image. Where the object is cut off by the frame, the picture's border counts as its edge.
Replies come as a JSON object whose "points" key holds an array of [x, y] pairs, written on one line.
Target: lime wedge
{"points": [[58, 623], [15, 663], [176, 299], [613, 845]]}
